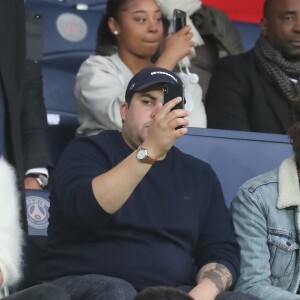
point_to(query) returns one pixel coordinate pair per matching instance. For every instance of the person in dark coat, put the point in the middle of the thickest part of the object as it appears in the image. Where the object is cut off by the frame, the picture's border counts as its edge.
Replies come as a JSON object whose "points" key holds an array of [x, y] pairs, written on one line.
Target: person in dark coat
{"points": [[254, 91], [23, 142], [23, 122]]}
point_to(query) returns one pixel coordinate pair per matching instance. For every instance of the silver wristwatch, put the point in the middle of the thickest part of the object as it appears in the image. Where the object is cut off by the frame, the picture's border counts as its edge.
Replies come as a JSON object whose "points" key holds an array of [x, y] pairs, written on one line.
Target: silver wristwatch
{"points": [[42, 179], [142, 156]]}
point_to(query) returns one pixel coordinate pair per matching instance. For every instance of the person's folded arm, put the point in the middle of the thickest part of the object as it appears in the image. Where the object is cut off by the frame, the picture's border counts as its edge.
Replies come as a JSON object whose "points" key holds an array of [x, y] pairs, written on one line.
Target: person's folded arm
{"points": [[212, 279], [35, 138], [217, 253]]}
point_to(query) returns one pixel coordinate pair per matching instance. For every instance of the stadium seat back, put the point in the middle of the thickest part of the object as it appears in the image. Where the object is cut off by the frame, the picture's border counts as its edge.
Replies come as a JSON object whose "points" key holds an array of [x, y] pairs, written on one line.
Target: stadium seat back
{"points": [[234, 155], [249, 32], [59, 80], [66, 29]]}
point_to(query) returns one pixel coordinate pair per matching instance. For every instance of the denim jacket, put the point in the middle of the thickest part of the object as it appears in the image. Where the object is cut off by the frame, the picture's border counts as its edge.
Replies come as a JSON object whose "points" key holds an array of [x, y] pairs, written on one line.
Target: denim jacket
{"points": [[266, 219]]}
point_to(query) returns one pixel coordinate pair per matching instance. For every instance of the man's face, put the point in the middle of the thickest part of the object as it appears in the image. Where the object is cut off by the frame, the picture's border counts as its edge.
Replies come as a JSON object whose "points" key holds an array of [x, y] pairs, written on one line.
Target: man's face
{"points": [[138, 115], [281, 27]]}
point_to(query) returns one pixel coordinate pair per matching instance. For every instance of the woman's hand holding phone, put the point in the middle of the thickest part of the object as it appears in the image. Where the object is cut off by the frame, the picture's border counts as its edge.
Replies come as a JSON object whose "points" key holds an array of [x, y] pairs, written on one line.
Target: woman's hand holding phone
{"points": [[177, 44]]}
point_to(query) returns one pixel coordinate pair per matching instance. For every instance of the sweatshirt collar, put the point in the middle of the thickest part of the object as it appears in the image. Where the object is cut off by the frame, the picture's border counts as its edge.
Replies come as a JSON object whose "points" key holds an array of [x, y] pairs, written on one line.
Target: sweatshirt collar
{"points": [[288, 184]]}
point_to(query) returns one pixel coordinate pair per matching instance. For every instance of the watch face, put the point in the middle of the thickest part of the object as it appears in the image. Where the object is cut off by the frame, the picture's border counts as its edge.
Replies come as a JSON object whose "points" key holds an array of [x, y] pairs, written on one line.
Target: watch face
{"points": [[141, 154], [44, 180]]}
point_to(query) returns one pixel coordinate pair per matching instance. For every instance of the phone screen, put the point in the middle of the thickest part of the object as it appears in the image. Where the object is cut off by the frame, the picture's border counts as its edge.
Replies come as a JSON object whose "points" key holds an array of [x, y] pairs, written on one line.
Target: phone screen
{"points": [[179, 19]]}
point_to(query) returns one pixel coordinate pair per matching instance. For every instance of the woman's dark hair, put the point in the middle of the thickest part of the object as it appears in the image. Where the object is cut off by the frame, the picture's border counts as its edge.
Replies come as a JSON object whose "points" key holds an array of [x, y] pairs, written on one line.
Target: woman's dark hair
{"points": [[294, 131], [104, 35]]}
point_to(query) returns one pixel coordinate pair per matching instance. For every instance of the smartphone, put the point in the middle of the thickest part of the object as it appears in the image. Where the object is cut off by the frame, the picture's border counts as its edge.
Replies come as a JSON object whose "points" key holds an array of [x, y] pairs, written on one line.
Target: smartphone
{"points": [[179, 19], [172, 91]]}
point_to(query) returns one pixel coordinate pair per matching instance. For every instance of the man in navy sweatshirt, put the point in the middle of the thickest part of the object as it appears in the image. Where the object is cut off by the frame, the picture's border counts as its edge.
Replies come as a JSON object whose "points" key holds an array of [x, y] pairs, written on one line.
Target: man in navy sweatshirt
{"points": [[129, 210]]}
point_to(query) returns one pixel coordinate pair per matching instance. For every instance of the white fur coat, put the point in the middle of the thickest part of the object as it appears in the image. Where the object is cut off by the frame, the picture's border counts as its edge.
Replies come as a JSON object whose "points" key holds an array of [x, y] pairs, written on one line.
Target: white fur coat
{"points": [[10, 228]]}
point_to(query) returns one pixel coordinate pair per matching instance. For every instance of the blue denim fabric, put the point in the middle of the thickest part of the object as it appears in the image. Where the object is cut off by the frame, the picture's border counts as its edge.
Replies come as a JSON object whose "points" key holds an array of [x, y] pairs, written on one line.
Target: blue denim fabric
{"points": [[269, 240]]}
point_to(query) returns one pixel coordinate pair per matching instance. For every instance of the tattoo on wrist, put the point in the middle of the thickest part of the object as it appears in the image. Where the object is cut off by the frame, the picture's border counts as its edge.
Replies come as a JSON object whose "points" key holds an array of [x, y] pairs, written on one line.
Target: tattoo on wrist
{"points": [[220, 276]]}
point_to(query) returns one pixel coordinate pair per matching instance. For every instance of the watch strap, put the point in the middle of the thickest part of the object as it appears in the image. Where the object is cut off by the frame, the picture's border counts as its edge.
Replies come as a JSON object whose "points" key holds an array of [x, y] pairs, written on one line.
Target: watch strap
{"points": [[149, 160]]}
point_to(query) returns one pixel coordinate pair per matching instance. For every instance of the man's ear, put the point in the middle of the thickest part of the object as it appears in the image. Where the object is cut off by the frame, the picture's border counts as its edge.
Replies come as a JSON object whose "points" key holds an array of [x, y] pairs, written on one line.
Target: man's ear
{"points": [[264, 26], [123, 110], [113, 26]]}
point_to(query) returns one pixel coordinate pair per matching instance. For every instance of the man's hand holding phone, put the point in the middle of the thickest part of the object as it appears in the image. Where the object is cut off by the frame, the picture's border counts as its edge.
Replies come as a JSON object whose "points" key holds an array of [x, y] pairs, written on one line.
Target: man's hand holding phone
{"points": [[161, 135]]}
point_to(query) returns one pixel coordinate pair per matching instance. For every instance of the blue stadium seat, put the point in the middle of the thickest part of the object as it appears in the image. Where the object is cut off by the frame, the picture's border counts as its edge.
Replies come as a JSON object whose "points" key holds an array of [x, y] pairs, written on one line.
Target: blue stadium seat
{"points": [[249, 32], [234, 155], [59, 78], [79, 4], [37, 203], [67, 29]]}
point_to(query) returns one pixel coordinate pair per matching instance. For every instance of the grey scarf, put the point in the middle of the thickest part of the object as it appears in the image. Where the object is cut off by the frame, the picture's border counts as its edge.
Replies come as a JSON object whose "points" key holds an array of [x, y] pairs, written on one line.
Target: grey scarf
{"points": [[279, 69]]}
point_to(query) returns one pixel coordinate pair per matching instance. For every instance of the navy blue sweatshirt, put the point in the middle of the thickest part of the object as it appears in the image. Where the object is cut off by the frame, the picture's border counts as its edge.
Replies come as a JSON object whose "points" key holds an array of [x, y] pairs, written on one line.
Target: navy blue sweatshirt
{"points": [[174, 222]]}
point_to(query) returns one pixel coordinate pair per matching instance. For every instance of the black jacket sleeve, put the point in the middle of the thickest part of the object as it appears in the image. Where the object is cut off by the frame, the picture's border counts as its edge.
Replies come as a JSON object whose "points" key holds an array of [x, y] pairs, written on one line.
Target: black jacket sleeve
{"points": [[34, 119]]}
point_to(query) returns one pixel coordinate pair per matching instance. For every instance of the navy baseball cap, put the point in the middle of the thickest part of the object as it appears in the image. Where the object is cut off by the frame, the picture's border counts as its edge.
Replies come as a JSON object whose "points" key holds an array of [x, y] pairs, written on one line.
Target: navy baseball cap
{"points": [[148, 77]]}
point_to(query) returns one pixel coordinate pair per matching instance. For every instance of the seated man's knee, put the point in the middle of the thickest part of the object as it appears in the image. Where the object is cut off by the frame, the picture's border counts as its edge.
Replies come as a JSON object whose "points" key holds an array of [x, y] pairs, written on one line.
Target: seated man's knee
{"points": [[48, 292], [119, 289]]}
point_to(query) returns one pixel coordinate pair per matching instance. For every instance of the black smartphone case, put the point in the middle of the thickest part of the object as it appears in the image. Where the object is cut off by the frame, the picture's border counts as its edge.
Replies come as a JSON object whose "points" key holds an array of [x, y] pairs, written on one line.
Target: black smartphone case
{"points": [[179, 19], [172, 91]]}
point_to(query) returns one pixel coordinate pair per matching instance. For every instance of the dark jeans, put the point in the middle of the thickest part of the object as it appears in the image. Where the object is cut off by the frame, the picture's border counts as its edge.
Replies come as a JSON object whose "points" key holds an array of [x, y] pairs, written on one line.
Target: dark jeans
{"points": [[99, 287], [40, 292]]}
